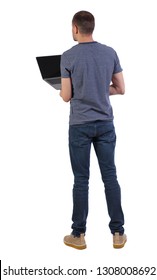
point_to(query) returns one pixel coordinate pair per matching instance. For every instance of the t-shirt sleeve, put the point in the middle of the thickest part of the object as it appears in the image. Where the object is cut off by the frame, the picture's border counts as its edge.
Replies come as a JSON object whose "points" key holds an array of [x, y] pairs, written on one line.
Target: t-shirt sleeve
{"points": [[117, 66], [65, 67]]}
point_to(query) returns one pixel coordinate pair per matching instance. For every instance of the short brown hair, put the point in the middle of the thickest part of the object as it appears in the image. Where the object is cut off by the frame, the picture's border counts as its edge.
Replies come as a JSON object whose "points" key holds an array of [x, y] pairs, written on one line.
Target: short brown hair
{"points": [[84, 21]]}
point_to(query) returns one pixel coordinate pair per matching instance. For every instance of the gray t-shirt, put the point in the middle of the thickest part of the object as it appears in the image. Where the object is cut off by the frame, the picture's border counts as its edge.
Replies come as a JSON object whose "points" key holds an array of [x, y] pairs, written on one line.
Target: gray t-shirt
{"points": [[90, 67]]}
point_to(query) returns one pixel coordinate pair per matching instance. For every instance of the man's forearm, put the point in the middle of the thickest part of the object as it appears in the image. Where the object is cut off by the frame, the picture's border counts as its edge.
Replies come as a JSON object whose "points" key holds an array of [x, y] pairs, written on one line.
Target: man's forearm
{"points": [[113, 90]]}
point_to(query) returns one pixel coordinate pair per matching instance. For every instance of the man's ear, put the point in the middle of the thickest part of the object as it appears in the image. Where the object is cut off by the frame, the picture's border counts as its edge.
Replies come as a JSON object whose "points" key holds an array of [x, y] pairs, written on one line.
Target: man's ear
{"points": [[76, 29]]}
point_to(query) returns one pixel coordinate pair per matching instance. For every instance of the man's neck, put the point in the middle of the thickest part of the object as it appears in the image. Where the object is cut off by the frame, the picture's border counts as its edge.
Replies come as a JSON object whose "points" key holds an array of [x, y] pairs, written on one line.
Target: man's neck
{"points": [[85, 39]]}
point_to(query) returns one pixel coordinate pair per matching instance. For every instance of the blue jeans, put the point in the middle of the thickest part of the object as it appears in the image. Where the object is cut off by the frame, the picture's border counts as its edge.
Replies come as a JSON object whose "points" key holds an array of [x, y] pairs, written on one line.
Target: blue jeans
{"points": [[102, 135]]}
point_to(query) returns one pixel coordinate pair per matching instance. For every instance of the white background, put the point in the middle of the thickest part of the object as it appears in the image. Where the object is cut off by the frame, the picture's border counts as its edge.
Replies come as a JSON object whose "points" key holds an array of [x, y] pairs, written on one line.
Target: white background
{"points": [[35, 174]]}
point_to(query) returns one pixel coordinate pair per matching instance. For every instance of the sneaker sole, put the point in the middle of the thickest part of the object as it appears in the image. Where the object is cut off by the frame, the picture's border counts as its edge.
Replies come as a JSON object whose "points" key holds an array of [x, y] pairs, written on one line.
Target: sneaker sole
{"points": [[78, 247], [119, 246]]}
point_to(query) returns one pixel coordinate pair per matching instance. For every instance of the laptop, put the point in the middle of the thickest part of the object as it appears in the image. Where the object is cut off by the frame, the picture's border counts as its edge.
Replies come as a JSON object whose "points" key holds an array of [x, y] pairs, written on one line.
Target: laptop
{"points": [[50, 70]]}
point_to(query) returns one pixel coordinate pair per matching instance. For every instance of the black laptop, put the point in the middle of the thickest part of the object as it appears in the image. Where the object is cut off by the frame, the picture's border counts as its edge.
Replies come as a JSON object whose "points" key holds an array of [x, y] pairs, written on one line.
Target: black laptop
{"points": [[50, 69]]}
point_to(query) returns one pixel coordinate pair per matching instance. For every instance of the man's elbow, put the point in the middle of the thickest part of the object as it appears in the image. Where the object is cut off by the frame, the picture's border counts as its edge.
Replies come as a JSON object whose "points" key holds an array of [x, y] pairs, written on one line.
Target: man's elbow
{"points": [[122, 90], [66, 99]]}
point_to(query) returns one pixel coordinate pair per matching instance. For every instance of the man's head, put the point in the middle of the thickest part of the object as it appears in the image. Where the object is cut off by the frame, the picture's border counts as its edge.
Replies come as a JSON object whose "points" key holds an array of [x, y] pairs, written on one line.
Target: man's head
{"points": [[83, 23]]}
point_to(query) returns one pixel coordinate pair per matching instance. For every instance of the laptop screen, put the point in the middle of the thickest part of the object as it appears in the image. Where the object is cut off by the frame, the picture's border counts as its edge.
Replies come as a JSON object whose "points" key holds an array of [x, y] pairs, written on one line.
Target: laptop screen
{"points": [[49, 66]]}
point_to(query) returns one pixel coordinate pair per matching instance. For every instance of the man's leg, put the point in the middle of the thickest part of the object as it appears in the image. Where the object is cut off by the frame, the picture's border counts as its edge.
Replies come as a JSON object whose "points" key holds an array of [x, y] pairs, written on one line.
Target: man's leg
{"points": [[104, 145], [79, 147]]}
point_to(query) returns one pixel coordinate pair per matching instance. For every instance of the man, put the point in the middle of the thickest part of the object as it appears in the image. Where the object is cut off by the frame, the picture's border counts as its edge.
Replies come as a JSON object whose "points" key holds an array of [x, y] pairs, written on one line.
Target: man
{"points": [[90, 72]]}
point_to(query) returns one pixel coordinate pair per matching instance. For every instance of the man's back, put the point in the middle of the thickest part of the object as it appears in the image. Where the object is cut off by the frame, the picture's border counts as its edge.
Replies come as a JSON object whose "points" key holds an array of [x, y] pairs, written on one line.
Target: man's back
{"points": [[90, 66]]}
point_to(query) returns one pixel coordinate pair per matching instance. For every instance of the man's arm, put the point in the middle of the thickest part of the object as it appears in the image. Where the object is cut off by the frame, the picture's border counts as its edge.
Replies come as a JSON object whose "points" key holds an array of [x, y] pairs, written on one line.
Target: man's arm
{"points": [[117, 86], [66, 89]]}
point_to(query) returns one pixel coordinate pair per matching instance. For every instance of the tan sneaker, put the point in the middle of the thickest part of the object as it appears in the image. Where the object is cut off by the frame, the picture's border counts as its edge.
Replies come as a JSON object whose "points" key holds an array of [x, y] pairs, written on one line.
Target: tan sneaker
{"points": [[75, 242], [119, 240]]}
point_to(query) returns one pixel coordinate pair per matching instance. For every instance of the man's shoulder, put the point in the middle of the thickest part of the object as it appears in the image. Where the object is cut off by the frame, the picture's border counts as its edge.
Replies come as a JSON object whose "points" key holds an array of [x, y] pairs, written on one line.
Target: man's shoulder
{"points": [[72, 50], [106, 47], [100, 47]]}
